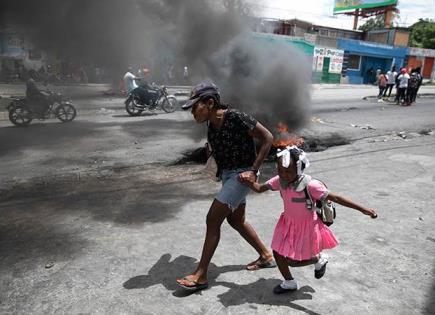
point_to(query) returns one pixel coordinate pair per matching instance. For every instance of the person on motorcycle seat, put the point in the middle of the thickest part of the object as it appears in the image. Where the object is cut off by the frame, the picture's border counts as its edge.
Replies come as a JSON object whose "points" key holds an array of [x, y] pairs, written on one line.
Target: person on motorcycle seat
{"points": [[38, 100], [146, 93]]}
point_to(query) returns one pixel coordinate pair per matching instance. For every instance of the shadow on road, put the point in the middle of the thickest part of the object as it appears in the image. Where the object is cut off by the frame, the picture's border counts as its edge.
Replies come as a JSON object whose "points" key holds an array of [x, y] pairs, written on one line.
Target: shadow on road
{"points": [[261, 292], [165, 272]]}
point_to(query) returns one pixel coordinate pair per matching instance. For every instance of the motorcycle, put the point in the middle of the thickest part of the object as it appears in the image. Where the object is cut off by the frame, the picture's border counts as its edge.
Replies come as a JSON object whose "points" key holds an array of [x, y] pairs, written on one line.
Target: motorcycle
{"points": [[21, 113], [135, 106]]}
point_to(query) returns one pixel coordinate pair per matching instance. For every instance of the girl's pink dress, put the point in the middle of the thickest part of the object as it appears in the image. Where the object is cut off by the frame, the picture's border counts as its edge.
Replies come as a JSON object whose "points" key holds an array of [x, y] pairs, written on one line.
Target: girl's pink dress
{"points": [[299, 233]]}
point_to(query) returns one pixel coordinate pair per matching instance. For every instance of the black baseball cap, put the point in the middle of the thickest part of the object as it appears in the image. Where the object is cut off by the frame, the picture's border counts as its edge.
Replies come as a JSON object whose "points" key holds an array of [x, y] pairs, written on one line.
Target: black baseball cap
{"points": [[201, 89]]}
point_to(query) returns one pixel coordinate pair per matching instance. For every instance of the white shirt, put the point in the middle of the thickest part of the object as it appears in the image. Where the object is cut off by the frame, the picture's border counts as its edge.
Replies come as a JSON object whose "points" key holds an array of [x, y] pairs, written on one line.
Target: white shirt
{"points": [[391, 77], [130, 83], [403, 80]]}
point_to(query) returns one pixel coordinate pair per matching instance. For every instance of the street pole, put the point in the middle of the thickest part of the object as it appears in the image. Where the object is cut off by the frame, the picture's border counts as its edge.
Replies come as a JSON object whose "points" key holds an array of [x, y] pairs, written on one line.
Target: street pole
{"points": [[355, 19], [388, 18]]}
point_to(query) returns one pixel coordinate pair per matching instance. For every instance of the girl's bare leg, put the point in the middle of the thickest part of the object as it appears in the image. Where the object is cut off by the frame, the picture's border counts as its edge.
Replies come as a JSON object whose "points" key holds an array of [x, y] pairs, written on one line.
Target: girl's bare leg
{"points": [[301, 263], [237, 221], [282, 263], [216, 215]]}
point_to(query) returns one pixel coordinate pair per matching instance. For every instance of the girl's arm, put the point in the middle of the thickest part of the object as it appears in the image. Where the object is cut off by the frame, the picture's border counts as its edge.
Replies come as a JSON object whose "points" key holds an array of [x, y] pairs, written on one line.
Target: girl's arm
{"points": [[259, 188], [350, 204]]}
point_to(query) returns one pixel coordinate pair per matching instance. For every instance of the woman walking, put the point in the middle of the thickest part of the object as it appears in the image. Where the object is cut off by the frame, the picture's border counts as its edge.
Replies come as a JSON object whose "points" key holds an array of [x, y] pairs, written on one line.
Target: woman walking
{"points": [[231, 136]]}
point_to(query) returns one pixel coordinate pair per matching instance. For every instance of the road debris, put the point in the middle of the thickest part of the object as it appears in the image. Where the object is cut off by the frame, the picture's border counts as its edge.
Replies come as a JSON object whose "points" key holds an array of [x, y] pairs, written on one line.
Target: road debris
{"points": [[402, 134], [49, 265], [368, 127]]}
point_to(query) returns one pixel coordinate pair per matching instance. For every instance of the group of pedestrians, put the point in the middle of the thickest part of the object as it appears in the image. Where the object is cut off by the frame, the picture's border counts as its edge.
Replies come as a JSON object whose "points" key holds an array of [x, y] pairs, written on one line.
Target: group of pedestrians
{"points": [[407, 85], [300, 236]]}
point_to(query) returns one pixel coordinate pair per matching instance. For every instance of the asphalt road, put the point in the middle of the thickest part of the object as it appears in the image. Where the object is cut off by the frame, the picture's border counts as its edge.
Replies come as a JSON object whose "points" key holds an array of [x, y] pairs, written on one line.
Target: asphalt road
{"points": [[94, 218]]}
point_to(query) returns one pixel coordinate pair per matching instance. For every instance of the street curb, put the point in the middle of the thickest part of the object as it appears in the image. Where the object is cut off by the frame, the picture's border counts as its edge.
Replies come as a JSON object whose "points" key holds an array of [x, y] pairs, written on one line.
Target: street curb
{"points": [[424, 95]]}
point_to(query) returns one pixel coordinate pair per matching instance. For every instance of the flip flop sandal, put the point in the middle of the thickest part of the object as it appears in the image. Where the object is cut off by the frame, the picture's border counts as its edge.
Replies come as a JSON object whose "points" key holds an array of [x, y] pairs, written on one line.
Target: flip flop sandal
{"points": [[195, 287], [256, 265]]}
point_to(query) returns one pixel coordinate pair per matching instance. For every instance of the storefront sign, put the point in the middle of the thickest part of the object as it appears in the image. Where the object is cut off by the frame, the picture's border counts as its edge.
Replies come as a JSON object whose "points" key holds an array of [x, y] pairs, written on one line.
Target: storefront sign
{"points": [[346, 5], [335, 58]]}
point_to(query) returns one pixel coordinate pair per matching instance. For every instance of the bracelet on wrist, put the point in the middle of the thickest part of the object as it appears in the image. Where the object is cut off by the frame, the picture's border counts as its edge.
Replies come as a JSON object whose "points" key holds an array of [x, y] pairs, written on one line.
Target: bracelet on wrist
{"points": [[255, 171]]}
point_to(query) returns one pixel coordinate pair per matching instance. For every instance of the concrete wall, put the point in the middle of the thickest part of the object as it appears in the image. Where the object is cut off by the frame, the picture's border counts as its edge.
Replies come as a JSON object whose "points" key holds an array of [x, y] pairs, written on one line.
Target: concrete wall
{"points": [[401, 39], [381, 37]]}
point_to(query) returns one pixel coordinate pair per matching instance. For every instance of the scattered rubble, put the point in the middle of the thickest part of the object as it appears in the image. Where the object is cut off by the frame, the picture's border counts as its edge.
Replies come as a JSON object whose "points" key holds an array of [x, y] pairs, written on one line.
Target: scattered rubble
{"points": [[49, 265], [426, 132], [402, 134], [368, 127]]}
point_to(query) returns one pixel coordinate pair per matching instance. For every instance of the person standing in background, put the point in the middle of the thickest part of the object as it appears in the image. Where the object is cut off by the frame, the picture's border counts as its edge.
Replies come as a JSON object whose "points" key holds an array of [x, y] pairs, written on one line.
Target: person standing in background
{"points": [[391, 80], [403, 79], [382, 84], [186, 75]]}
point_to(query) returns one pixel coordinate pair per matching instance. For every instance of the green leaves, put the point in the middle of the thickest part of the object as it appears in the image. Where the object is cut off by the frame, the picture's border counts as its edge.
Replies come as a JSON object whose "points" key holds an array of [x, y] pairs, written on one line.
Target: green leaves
{"points": [[423, 34]]}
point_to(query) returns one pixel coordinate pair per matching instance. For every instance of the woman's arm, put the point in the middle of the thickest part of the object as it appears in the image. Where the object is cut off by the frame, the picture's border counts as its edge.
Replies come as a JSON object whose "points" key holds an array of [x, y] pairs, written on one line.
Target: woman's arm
{"points": [[265, 137], [350, 204]]}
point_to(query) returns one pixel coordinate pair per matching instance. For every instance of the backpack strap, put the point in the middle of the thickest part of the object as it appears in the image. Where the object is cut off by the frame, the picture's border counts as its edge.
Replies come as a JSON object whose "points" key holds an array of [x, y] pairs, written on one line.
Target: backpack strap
{"points": [[308, 199]]}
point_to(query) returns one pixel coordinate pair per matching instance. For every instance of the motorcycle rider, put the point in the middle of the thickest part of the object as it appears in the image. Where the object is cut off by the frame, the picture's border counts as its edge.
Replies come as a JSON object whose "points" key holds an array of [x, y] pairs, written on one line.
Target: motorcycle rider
{"points": [[146, 93], [37, 99]]}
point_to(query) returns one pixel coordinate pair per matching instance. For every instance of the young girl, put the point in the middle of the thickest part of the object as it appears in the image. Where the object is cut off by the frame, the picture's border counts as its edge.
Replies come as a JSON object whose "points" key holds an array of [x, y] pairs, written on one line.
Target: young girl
{"points": [[300, 236]]}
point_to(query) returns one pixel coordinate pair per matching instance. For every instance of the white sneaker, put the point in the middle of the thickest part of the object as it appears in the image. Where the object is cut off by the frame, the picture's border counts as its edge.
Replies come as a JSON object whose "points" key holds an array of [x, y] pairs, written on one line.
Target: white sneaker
{"points": [[286, 286], [320, 266]]}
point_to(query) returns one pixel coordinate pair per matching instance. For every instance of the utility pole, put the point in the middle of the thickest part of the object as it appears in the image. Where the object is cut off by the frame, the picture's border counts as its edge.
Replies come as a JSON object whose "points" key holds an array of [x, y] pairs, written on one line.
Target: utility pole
{"points": [[388, 18], [355, 19]]}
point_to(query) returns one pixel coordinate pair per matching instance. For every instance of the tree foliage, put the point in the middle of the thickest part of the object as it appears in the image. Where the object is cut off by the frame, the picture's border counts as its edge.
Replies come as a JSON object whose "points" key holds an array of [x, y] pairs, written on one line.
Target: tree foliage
{"points": [[423, 34], [375, 23]]}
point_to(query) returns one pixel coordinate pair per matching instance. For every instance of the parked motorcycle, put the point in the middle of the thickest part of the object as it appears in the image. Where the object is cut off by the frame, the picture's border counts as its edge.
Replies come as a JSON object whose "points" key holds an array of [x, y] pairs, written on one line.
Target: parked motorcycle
{"points": [[21, 111], [135, 106]]}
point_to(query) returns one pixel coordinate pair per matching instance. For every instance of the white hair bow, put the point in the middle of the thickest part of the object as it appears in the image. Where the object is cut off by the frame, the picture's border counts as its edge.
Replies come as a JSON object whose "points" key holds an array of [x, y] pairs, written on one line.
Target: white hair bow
{"points": [[286, 158]]}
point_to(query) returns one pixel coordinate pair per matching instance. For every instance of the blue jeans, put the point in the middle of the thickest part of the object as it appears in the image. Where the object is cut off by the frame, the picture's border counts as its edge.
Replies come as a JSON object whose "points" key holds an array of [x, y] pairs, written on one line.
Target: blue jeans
{"points": [[233, 192]]}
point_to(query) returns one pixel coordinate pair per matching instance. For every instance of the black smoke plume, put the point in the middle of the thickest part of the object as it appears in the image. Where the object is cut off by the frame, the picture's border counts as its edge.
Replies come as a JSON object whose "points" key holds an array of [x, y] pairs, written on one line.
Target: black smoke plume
{"points": [[262, 77]]}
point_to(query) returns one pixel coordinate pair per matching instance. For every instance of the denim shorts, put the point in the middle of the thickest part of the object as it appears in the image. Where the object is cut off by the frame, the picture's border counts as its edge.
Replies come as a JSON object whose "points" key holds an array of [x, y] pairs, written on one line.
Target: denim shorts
{"points": [[233, 192]]}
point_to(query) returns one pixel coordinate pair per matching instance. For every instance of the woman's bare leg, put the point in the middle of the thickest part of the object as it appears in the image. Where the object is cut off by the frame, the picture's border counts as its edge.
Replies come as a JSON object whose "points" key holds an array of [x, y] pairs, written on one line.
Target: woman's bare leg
{"points": [[216, 215], [237, 221]]}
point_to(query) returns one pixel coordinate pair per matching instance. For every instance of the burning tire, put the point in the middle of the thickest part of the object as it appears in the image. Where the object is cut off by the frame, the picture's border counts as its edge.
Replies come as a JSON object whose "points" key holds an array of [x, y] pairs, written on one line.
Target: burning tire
{"points": [[131, 108], [170, 104], [66, 112], [20, 116]]}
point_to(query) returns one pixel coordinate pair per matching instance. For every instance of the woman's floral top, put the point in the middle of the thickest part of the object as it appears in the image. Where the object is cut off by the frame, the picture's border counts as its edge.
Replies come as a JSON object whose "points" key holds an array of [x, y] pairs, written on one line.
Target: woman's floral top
{"points": [[232, 146]]}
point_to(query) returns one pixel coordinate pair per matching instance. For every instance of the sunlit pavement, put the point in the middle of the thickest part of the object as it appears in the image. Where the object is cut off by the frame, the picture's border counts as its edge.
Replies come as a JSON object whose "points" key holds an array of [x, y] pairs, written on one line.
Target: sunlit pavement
{"points": [[95, 218]]}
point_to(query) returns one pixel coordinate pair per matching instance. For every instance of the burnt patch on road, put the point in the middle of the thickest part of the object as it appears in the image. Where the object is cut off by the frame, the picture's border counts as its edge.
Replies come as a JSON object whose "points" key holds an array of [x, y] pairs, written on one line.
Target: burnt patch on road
{"points": [[311, 144], [196, 156], [133, 195], [317, 144], [31, 239]]}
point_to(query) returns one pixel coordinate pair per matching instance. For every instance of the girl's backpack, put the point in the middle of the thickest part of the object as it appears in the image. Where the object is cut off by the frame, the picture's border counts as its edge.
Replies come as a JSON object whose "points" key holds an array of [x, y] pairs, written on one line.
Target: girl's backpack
{"points": [[325, 209]]}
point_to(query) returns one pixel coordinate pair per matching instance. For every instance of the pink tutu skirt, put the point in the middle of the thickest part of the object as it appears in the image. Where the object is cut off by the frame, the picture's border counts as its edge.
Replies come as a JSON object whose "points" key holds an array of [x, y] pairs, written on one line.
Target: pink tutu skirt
{"points": [[301, 239]]}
